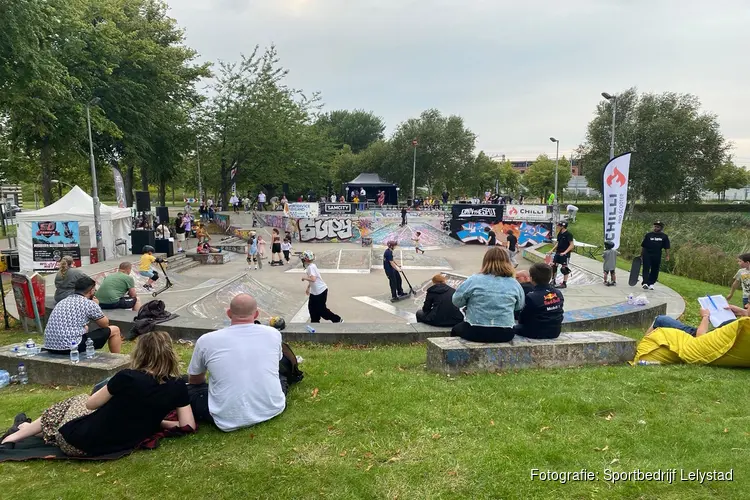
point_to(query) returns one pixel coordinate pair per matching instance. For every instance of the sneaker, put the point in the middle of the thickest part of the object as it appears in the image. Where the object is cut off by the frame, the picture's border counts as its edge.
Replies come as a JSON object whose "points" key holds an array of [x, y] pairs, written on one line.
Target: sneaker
{"points": [[645, 286], [562, 285], [256, 268], [651, 287], [614, 283], [147, 287]]}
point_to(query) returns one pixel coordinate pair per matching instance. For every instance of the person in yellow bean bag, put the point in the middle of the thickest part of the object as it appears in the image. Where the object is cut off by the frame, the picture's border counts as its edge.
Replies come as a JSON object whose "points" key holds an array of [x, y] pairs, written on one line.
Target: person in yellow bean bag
{"points": [[728, 345]]}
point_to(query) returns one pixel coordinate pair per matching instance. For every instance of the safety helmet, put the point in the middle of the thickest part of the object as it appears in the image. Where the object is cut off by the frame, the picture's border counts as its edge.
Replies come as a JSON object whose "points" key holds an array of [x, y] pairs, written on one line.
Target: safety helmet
{"points": [[148, 248], [308, 256]]}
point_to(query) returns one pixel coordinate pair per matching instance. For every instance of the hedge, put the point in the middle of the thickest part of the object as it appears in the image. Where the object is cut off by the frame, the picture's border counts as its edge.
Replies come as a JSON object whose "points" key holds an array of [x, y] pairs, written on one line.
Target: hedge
{"points": [[675, 207]]}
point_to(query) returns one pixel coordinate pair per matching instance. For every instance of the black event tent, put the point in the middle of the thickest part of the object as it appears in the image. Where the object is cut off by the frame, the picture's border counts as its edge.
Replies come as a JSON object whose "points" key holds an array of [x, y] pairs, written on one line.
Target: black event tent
{"points": [[372, 184]]}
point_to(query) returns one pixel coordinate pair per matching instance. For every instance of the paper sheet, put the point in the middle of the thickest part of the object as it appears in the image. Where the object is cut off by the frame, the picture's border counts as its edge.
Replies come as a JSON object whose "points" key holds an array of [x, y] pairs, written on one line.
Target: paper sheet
{"points": [[716, 305]]}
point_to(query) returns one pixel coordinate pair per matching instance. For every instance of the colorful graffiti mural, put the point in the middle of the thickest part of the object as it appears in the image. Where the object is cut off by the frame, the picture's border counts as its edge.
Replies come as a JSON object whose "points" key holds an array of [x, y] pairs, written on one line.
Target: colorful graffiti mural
{"points": [[329, 229], [222, 221], [430, 237], [527, 233]]}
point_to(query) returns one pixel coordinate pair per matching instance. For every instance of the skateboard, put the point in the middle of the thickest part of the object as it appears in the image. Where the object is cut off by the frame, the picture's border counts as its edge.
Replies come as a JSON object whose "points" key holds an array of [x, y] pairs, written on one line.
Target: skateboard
{"points": [[635, 271]]}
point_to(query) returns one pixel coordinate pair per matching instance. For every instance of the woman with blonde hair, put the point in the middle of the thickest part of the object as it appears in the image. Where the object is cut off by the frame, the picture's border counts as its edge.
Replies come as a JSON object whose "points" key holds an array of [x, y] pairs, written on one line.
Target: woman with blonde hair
{"points": [[66, 278], [120, 415], [490, 298]]}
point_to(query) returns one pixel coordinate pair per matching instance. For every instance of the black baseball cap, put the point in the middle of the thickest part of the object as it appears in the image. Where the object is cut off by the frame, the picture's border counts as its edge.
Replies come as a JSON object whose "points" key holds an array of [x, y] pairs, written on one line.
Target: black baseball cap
{"points": [[562, 224], [658, 223]]}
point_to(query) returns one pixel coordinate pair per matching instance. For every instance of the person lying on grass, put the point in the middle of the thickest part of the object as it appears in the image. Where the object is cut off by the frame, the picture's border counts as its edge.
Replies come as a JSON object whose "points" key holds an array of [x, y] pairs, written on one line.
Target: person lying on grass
{"points": [[664, 321], [122, 414]]}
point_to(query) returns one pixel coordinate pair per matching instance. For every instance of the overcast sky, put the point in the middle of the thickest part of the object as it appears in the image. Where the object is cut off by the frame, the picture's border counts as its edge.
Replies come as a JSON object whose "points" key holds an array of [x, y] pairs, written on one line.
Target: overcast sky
{"points": [[517, 72]]}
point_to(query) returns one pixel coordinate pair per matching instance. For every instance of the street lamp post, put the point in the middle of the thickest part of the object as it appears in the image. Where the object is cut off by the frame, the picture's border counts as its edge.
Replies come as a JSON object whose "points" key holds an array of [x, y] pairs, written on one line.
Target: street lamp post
{"points": [[95, 187], [414, 173], [613, 99], [198, 157], [556, 205]]}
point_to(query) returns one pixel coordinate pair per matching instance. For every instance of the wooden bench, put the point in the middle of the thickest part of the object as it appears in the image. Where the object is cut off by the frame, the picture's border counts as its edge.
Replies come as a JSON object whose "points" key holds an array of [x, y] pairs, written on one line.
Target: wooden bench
{"points": [[456, 355]]}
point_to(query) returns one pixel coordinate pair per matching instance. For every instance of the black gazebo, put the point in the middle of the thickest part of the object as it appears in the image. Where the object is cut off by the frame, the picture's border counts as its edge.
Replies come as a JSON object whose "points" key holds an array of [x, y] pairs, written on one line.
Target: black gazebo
{"points": [[372, 184]]}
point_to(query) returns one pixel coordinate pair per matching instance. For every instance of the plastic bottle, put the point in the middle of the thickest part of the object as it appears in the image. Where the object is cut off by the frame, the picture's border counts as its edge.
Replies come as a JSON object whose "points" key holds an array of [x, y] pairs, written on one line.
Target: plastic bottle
{"points": [[23, 375], [4, 378], [631, 299], [18, 351], [90, 350], [30, 348], [310, 329], [74, 356]]}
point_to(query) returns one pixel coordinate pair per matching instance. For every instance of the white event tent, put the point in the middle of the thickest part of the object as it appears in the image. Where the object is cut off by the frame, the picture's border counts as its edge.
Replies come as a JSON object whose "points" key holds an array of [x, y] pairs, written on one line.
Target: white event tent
{"points": [[77, 205]]}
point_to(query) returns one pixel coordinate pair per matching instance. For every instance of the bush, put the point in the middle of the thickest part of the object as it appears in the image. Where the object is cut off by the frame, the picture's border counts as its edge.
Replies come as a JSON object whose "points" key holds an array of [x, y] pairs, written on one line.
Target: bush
{"points": [[677, 207]]}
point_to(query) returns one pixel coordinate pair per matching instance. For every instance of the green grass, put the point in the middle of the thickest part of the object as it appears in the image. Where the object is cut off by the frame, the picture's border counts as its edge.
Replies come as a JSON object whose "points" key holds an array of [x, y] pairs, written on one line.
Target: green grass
{"points": [[373, 423]]}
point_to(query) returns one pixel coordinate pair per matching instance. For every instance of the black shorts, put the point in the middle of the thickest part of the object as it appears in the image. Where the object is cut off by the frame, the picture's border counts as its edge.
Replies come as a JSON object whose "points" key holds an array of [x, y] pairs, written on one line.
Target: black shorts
{"points": [[123, 303], [100, 336], [276, 248], [561, 259]]}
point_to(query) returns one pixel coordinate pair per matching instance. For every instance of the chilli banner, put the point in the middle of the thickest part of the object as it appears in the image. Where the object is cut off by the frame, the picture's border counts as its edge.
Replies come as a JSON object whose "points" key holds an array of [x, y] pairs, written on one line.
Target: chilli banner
{"points": [[615, 182], [119, 185]]}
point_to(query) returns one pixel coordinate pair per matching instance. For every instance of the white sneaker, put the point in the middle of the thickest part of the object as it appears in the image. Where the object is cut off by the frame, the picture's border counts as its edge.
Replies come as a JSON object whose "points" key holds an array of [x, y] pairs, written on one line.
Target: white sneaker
{"points": [[651, 287], [256, 268], [645, 286]]}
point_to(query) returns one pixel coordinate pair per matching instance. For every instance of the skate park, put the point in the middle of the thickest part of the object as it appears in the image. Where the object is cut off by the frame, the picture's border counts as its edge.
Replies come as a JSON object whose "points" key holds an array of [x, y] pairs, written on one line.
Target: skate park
{"points": [[358, 287]]}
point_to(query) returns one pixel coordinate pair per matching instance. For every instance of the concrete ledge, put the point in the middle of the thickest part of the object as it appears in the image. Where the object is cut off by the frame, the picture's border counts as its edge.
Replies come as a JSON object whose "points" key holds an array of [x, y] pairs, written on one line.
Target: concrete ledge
{"points": [[210, 258], [45, 368], [455, 355]]}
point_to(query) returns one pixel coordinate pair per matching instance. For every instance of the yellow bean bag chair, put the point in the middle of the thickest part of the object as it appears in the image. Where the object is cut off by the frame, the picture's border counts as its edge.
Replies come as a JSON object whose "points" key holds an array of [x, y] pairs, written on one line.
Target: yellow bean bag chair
{"points": [[725, 346]]}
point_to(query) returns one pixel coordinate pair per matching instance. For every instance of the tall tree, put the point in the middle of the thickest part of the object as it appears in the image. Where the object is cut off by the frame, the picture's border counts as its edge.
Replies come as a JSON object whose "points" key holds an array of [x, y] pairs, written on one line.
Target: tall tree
{"points": [[728, 176], [677, 147], [540, 177], [356, 129], [445, 148]]}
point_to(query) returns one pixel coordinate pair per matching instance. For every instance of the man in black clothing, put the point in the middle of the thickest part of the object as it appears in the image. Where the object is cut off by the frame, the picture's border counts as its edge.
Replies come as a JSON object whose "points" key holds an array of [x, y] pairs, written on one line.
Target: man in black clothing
{"points": [[542, 316], [403, 216], [651, 248], [491, 237], [512, 246], [562, 250]]}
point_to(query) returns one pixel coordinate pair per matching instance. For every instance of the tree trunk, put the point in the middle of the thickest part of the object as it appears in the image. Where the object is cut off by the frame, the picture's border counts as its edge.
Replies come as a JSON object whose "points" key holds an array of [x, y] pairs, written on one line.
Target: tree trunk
{"points": [[45, 159], [162, 193], [128, 181], [144, 178]]}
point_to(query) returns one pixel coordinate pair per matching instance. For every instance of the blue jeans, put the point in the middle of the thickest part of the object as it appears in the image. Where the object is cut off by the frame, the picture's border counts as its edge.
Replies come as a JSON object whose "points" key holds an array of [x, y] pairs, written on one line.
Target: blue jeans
{"points": [[667, 322]]}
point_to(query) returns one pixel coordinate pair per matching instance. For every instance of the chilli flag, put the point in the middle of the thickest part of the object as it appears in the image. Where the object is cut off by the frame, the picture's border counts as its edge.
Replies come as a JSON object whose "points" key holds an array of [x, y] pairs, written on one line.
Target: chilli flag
{"points": [[615, 182], [119, 184]]}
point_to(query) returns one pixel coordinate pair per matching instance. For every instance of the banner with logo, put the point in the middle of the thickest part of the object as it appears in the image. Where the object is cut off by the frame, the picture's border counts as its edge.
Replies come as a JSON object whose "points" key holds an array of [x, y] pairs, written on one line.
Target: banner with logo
{"points": [[337, 208], [528, 213], [469, 221], [615, 181], [119, 185], [303, 210], [51, 241]]}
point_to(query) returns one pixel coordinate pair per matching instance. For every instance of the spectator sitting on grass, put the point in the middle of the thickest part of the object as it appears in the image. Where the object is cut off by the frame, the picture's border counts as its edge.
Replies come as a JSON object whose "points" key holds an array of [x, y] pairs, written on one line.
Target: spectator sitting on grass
{"points": [[542, 316], [664, 321], [117, 290], [245, 385]]}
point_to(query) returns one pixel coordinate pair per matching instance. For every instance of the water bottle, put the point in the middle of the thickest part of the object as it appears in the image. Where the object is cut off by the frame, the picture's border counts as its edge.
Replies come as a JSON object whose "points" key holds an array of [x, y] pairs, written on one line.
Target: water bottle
{"points": [[631, 299], [23, 375], [90, 350], [74, 356], [310, 329], [30, 348], [643, 362], [18, 351], [4, 378]]}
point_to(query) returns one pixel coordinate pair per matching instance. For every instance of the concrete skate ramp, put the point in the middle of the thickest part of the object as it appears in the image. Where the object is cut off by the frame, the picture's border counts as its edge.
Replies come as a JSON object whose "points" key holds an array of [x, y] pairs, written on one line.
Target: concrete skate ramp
{"points": [[432, 237], [271, 302]]}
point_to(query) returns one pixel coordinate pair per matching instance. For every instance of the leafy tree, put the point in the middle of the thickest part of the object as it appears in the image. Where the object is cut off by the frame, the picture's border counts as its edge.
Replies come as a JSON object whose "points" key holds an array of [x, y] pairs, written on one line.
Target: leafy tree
{"points": [[728, 176], [676, 146], [356, 129], [445, 149], [509, 178], [540, 177]]}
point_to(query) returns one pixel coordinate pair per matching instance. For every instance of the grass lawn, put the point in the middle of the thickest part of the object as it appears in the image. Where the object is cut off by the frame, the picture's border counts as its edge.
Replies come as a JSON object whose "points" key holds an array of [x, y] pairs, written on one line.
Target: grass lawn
{"points": [[372, 423]]}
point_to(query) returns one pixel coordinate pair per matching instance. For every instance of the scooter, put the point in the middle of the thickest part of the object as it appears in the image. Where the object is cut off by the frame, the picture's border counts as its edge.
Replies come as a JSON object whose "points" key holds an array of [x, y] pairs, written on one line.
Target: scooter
{"points": [[412, 292], [167, 285]]}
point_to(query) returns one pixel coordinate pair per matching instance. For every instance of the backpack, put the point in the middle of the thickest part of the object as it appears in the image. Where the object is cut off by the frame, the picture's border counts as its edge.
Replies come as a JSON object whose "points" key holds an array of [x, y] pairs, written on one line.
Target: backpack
{"points": [[288, 366]]}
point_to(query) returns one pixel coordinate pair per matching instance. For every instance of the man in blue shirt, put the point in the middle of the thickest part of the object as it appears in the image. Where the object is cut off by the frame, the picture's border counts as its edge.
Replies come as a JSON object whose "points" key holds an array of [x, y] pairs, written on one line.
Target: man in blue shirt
{"points": [[393, 272]]}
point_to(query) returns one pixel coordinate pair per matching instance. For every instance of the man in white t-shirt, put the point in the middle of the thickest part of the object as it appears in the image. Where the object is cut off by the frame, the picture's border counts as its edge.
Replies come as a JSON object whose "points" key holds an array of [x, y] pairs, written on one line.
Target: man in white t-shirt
{"points": [[245, 386], [317, 290], [333, 198], [234, 201], [261, 200], [572, 212]]}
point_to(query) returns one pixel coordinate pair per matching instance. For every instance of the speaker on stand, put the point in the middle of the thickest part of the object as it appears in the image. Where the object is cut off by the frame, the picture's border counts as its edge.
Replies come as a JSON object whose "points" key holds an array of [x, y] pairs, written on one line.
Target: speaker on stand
{"points": [[142, 201], [140, 238], [162, 215]]}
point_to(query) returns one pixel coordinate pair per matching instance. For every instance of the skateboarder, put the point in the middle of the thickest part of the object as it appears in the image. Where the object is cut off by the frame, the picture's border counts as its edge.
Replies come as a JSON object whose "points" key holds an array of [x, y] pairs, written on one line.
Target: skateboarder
{"points": [[651, 248], [562, 250], [393, 272]]}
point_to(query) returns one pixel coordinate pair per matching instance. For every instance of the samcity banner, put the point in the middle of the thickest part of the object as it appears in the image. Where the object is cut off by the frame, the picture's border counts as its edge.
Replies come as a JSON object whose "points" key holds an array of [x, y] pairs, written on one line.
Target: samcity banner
{"points": [[615, 181]]}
